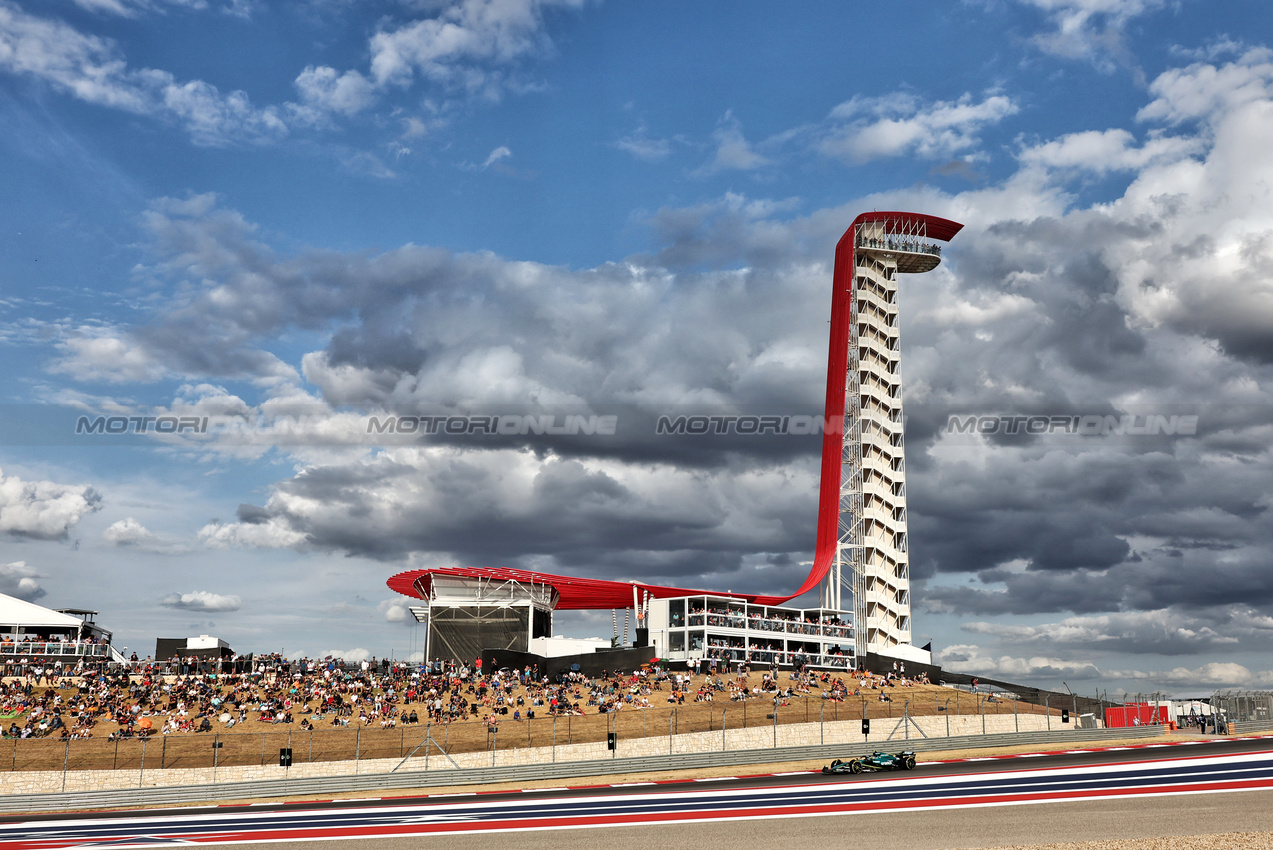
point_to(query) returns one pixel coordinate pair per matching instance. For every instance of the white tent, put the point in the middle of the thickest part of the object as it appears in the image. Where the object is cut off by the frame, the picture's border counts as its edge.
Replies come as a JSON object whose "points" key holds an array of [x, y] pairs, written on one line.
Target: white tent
{"points": [[30, 617]]}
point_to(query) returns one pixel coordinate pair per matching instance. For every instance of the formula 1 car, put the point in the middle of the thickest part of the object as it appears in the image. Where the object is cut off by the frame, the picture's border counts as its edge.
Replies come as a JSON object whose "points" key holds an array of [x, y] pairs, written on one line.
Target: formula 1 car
{"points": [[877, 760]]}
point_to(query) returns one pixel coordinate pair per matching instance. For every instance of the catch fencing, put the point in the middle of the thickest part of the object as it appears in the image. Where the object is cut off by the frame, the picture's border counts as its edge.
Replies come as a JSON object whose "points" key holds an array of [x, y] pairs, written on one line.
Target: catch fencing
{"points": [[276, 788], [244, 746]]}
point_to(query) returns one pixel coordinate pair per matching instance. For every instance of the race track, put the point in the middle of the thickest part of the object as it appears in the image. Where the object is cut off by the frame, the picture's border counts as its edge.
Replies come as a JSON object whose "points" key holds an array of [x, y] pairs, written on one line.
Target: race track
{"points": [[1172, 784]]}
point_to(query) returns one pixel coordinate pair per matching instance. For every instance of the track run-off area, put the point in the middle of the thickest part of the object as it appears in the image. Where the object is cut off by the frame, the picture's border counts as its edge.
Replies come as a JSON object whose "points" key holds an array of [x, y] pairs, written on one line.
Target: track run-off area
{"points": [[1224, 766]]}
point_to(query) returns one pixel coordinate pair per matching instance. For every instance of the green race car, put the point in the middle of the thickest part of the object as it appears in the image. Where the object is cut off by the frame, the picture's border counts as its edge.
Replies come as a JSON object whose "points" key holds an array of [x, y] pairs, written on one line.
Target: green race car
{"points": [[877, 760]]}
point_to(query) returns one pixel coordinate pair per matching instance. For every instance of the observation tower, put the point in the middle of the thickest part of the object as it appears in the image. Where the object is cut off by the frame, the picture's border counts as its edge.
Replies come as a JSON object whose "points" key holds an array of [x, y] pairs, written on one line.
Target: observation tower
{"points": [[861, 565], [863, 546]]}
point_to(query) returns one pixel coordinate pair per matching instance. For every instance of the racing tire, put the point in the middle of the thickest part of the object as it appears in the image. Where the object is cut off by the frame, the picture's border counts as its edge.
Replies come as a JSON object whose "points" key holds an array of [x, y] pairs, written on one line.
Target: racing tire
{"points": [[909, 762], [855, 766]]}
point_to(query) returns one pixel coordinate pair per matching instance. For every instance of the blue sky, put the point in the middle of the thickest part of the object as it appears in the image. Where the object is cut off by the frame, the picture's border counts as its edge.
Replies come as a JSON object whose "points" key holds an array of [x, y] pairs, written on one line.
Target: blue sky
{"points": [[334, 210]]}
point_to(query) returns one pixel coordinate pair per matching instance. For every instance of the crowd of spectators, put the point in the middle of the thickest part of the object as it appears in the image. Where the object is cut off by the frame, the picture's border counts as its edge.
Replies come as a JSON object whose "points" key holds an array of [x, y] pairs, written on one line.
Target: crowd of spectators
{"points": [[57, 702]]}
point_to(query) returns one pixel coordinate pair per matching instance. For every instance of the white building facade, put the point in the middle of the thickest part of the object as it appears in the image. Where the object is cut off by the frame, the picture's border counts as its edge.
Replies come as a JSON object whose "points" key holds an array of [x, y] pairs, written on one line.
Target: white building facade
{"points": [[732, 632]]}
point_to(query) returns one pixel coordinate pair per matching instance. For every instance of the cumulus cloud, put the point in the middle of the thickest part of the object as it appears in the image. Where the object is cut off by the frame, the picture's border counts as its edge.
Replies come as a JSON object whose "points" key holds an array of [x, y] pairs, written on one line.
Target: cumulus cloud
{"points": [[1216, 674], [868, 128], [733, 151], [20, 581], [395, 611], [467, 45], [92, 69], [643, 146], [128, 532], [1163, 632], [326, 90], [1101, 151], [264, 535], [43, 509], [472, 49], [95, 353], [1090, 30], [1208, 91], [202, 600], [969, 658], [507, 507]]}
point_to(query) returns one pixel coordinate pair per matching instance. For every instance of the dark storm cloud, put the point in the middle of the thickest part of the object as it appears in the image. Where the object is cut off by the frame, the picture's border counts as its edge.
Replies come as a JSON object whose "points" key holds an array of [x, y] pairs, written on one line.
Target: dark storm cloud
{"points": [[518, 510]]}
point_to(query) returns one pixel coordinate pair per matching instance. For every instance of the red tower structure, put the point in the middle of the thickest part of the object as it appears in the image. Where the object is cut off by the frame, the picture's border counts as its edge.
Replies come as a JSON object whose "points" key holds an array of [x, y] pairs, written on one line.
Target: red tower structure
{"points": [[861, 544]]}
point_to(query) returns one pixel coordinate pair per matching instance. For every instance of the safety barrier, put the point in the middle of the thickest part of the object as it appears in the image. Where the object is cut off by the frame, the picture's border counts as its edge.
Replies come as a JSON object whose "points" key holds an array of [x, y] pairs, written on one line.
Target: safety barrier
{"points": [[1250, 727], [152, 797]]}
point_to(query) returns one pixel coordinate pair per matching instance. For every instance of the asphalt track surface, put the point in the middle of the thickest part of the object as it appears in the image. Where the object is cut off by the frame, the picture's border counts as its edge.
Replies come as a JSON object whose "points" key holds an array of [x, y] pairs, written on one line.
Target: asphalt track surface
{"points": [[1079, 795]]}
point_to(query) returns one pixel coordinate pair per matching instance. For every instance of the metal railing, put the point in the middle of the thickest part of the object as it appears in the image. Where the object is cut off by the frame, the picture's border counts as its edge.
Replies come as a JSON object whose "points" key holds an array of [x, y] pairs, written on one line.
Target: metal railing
{"points": [[55, 648], [913, 246]]}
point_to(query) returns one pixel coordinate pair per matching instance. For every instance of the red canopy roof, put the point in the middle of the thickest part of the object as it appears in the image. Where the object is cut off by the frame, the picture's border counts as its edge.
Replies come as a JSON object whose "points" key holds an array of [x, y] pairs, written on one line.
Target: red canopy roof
{"points": [[574, 593]]}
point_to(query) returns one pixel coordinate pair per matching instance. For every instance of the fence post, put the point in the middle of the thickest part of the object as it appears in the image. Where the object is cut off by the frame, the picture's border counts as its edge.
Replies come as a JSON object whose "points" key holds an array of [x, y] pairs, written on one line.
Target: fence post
{"points": [[722, 729], [1016, 722], [670, 715], [65, 760], [554, 739], [140, 773], [311, 744], [822, 727], [163, 753], [357, 746]]}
